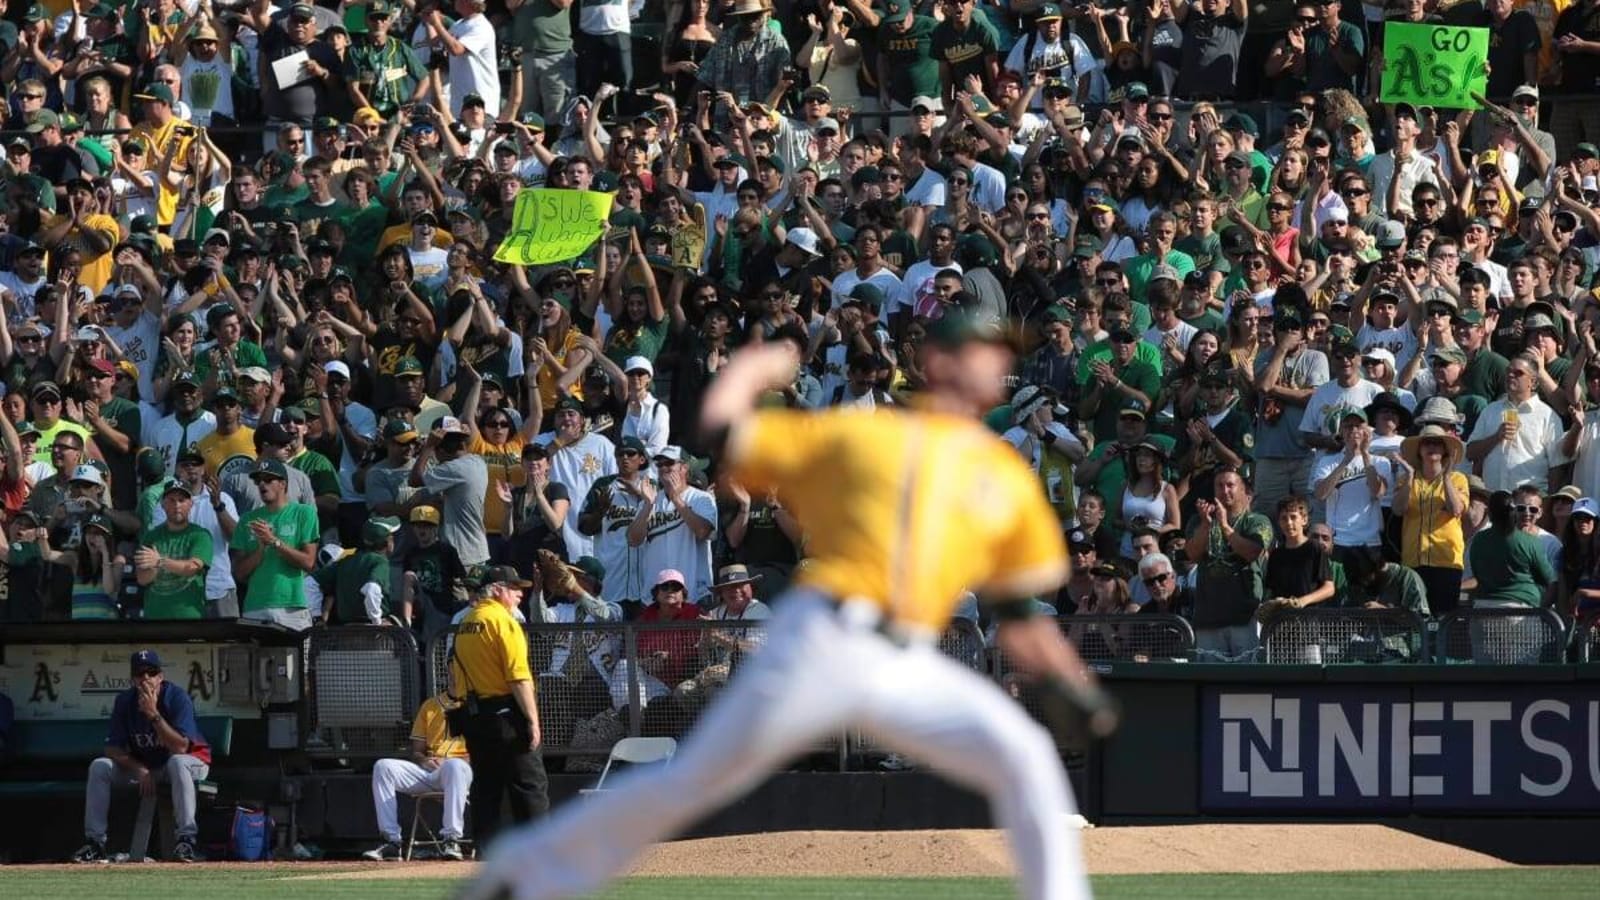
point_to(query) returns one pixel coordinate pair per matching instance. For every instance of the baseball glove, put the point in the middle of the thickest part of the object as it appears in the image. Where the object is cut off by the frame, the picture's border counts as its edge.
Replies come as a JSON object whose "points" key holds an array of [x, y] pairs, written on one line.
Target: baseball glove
{"points": [[558, 579]]}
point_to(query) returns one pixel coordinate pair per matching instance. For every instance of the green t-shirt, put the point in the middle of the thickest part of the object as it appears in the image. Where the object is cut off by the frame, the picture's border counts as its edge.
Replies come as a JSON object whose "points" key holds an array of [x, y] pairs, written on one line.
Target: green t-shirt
{"points": [[173, 596], [1485, 375], [1138, 270], [245, 354], [1510, 568], [645, 340], [324, 477], [1143, 350], [275, 584], [542, 28], [310, 215], [1228, 588], [1209, 320], [965, 51], [908, 58], [1137, 374], [149, 501], [1205, 250], [344, 580], [388, 75]]}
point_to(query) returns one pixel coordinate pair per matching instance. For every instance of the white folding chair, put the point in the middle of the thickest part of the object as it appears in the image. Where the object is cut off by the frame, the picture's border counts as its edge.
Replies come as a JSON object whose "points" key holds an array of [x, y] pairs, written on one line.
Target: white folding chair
{"points": [[636, 751]]}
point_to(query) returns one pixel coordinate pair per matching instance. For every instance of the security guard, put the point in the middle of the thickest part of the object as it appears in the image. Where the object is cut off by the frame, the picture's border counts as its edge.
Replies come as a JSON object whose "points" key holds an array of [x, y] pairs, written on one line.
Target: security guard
{"points": [[499, 716]]}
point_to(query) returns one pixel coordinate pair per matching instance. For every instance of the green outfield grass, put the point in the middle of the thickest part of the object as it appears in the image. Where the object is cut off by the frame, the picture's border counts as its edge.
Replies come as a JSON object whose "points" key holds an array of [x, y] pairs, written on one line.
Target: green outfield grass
{"points": [[237, 884]]}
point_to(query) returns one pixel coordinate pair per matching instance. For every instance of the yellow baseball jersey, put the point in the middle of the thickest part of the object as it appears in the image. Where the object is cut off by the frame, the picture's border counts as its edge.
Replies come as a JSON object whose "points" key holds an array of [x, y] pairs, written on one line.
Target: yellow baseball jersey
{"points": [[905, 509], [491, 651], [430, 730]]}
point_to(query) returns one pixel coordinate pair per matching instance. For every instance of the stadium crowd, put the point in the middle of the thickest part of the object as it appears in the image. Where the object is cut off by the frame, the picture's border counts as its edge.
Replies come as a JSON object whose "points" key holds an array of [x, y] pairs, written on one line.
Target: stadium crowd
{"points": [[1281, 344]]}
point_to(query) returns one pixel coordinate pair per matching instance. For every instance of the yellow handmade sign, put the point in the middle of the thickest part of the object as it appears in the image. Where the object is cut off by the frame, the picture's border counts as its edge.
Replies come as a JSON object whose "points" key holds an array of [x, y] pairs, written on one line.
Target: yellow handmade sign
{"points": [[550, 225]]}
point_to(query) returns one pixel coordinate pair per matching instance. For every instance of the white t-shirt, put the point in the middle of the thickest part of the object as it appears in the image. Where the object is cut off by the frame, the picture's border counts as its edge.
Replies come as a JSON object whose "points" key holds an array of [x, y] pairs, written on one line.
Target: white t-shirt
{"points": [[430, 266], [651, 425], [1400, 340], [578, 466], [884, 280], [474, 72], [365, 423], [1331, 395], [1355, 516], [1183, 330], [141, 344], [23, 291], [671, 545], [1068, 58], [988, 191], [1586, 465], [930, 190], [918, 285], [604, 17]]}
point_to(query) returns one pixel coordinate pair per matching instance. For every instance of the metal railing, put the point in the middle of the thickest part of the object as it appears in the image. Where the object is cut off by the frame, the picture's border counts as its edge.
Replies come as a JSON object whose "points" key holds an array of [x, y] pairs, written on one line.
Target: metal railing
{"points": [[363, 687], [1338, 635], [1586, 639], [1501, 636]]}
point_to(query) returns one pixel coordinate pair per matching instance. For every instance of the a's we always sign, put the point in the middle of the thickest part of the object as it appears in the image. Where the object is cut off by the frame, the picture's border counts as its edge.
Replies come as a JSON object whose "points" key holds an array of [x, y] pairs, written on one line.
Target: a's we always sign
{"points": [[1377, 748]]}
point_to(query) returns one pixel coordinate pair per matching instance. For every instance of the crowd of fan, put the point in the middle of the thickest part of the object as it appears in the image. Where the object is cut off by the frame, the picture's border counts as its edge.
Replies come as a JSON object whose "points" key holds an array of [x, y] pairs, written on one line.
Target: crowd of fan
{"points": [[1310, 350]]}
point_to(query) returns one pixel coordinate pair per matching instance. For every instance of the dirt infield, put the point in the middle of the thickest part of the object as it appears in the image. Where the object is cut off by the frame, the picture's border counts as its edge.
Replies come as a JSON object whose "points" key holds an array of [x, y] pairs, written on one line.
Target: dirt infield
{"points": [[1121, 850]]}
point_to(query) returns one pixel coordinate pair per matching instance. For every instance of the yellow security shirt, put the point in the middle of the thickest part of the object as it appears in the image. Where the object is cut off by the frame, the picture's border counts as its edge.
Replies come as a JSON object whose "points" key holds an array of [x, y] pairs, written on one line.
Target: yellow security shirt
{"points": [[217, 448], [491, 651], [904, 509], [430, 730]]}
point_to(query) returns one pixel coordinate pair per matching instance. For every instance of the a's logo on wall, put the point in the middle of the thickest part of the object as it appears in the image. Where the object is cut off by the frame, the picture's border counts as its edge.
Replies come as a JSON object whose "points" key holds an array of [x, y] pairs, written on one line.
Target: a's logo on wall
{"points": [[44, 684]]}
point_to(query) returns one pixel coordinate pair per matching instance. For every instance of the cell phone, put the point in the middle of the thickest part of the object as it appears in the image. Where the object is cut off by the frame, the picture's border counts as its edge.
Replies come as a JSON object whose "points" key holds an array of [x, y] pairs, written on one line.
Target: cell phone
{"points": [[185, 131], [504, 128]]}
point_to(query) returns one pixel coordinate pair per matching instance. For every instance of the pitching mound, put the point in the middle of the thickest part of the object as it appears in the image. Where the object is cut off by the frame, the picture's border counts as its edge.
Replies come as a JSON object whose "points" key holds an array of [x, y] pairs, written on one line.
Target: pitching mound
{"points": [[1122, 850]]}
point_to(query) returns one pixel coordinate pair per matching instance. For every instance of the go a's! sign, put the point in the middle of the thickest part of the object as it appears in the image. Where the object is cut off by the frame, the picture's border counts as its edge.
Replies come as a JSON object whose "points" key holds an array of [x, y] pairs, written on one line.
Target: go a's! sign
{"points": [[1434, 65]]}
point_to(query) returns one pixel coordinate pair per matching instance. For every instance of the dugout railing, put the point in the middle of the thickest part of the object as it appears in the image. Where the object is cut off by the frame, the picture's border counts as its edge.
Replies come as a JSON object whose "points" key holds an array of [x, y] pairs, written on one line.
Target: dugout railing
{"points": [[1337, 636]]}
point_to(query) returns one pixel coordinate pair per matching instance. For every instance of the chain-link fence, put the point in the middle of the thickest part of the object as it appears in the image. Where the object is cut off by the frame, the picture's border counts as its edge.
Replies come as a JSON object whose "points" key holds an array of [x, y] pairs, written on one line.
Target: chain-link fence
{"points": [[962, 642], [1586, 639], [1334, 636], [364, 686], [1137, 637], [1501, 636]]}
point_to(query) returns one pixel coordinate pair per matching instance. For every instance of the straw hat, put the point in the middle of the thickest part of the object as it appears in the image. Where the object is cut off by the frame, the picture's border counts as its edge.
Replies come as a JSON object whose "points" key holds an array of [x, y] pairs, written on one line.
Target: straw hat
{"points": [[1411, 447]]}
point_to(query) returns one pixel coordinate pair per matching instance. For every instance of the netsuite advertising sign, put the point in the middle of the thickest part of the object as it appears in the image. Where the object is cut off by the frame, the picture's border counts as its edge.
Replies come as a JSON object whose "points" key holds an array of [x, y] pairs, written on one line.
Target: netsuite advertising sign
{"points": [[1397, 749]]}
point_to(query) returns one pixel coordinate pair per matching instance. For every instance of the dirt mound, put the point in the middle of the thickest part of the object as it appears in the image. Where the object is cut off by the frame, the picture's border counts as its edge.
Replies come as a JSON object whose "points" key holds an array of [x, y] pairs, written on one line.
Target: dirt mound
{"points": [[1109, 851]]}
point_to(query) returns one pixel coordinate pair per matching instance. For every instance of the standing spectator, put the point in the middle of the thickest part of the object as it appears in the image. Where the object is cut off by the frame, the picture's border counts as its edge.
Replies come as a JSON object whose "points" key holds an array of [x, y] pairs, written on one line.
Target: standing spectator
{"points": [[470, 42], [1514, 45], [1059, 55], [1577, 39], [1352, 482], [356, 587], [747, 60], [604, 47], [1347, 390], [297, 101], [1511, 570], [273, 547], [213, 510], [502, 724], [1229, 547], [1213, 33], [1287, 375], [1298, 569], [381, 71], [173, 558], [579, 458], [535, 511], [154, 738], [675, 524], [1431, 499], [542, 31], [1516, 439], [434, 588], [907, 69], [461, 480], [965, 46], [1335, 51]]}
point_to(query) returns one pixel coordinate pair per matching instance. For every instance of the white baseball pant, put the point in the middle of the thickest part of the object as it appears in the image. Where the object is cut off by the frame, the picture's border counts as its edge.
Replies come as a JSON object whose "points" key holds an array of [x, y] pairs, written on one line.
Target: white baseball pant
{"points": [[818, 673], [401, 776]]}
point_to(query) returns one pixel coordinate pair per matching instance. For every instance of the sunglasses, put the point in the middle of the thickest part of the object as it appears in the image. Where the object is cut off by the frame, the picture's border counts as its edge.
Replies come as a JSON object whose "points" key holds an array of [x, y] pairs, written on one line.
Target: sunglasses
{"points": [[1308, 20], [1354, 192], [1153, 580], [1279, 207], [1039, 217], [1108, 282], [1160, 117], [1526, 510]]}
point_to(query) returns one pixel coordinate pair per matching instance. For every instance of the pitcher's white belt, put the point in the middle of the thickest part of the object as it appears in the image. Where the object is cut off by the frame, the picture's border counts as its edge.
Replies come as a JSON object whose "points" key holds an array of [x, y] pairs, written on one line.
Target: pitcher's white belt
{"points": [[859, 612]]}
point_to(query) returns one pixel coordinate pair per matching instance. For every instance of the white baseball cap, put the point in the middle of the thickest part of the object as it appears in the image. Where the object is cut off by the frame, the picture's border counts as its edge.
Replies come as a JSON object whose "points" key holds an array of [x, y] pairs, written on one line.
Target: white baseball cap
{"points": [[639, 363], [1381, 354], [805, 239], [452, 425], [337, 365], [668, 576], [86, 472]]}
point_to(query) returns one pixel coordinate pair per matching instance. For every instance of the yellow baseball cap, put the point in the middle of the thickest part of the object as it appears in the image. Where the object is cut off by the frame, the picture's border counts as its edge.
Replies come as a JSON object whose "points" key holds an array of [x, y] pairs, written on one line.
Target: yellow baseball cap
{"points": [[425, 515]]}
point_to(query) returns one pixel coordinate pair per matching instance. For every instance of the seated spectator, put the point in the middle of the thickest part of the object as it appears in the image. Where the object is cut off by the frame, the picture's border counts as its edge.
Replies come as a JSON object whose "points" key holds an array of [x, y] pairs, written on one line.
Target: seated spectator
{"points": [[1168, 594], [434, 589], [153, 739], [438, 763]]}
